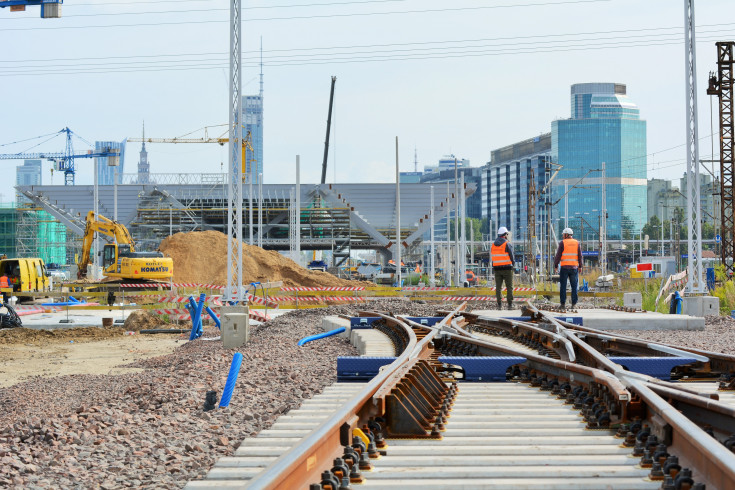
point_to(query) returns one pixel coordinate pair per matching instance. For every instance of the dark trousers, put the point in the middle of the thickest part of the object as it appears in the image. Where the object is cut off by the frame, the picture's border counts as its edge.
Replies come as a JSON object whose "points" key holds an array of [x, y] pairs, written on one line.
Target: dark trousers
{"points": [[573, 276], [504, 275]]}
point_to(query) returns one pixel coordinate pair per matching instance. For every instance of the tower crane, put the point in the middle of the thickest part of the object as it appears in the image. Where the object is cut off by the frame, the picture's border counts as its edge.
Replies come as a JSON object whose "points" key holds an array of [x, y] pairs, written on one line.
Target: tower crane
{"points": [[50, 9], [64, 160], [246, 145]]}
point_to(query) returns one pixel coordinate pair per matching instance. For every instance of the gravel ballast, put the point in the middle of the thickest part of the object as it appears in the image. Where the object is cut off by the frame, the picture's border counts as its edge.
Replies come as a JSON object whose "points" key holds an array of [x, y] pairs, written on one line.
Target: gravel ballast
{"points": [[148, 429]]}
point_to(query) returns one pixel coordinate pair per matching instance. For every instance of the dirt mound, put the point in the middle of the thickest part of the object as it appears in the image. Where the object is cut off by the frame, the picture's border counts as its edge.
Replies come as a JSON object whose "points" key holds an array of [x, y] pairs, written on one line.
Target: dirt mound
{"points": [[201, 257], [79, 334], [143, 320]]}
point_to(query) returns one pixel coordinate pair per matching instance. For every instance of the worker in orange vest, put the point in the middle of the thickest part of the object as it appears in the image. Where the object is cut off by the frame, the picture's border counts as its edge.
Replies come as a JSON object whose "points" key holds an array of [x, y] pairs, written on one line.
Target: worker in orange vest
{"points": [[4, 284], [568, 259], [501, 253]]}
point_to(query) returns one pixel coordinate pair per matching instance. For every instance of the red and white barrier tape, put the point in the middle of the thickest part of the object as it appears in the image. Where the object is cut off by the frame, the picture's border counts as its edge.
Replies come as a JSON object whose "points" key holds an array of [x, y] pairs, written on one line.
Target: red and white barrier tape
{"points": [[417, 288], [469, 298], [335, 288], [314, 299]]}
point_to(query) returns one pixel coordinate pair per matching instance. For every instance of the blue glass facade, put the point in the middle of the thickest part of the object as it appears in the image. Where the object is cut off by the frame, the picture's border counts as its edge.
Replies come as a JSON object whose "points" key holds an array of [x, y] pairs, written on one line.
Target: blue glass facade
{"points": [[252, 108], [106, 173], [606, 127]]}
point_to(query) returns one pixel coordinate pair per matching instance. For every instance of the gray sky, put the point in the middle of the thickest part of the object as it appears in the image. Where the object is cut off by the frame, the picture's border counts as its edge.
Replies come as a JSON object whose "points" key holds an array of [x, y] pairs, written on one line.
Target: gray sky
{"points": [[461, 77]]}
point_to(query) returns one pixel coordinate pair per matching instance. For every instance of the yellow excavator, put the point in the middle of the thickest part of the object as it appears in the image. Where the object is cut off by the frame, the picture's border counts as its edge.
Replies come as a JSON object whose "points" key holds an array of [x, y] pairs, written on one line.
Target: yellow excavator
{"points": [[119, 259]]}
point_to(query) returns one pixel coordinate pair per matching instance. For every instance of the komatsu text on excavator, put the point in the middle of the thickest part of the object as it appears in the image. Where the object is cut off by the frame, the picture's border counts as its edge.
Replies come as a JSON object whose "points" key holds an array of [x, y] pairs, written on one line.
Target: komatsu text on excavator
{"points": [[119, 259]]}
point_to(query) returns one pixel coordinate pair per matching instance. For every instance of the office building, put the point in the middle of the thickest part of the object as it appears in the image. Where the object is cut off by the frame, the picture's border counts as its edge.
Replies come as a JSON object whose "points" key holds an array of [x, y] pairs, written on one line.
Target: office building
{"points": [[27, 174], [663, 199], [105, 169], [446, 163], [605, 127], [506, 181]]}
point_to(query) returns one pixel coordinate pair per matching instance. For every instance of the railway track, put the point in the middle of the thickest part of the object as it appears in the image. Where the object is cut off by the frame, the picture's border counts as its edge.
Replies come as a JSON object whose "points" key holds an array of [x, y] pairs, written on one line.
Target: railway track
{"points": [[569, 415]]}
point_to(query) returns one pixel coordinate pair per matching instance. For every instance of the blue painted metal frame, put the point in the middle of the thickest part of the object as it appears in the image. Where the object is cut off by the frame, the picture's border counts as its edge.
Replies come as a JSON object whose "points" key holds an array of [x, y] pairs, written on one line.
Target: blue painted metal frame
{"points": [[482, 368], [478, 368], [9, 3], [658, 367]]}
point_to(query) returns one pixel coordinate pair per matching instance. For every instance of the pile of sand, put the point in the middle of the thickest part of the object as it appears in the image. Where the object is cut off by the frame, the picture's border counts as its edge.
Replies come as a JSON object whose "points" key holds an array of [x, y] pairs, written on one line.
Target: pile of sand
{"points": [[201, 257]]}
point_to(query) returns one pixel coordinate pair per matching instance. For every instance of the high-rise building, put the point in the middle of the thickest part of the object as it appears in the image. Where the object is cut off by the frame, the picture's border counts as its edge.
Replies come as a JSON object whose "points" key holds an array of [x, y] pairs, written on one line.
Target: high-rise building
{"points": [[144, 168], [605, 127], [506, 181], [252, 108], [27, 174], [105, 172]]}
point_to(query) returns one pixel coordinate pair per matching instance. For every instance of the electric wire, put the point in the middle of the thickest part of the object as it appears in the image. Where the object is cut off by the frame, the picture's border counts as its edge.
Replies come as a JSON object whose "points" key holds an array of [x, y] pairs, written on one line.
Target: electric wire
{"points": [[305, 17], [158, 66]]}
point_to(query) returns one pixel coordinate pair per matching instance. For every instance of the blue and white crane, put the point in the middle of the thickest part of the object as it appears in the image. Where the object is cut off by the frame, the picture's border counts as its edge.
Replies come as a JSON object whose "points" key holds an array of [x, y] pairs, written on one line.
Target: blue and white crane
{"points": [[50, 9], [64, 160]]}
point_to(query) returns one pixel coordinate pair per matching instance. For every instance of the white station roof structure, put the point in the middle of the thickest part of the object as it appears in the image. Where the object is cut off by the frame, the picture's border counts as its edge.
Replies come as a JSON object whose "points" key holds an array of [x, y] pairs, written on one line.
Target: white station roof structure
{"points": [[372, 207]]}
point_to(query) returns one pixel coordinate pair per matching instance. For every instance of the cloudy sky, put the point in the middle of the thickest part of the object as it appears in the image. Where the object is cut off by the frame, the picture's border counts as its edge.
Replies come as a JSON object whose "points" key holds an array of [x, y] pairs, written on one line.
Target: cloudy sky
{"points": [[462, 77]]}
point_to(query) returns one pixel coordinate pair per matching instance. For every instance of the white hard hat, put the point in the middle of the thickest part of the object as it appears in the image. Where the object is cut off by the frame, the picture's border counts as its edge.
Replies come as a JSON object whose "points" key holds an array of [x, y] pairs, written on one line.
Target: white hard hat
{"points": [[568, 231], [503, 231]]}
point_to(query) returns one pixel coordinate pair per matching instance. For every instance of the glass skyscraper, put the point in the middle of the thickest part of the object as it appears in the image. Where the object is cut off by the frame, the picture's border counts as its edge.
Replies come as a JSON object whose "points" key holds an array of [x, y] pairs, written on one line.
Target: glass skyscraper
{"points": [[605, 127], [252, 108], [105, 172]]}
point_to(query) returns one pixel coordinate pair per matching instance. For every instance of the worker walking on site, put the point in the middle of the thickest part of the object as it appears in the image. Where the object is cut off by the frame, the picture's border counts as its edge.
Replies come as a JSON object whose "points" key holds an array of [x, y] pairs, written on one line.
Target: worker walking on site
{"points": [[569, 260], [501, 254]]}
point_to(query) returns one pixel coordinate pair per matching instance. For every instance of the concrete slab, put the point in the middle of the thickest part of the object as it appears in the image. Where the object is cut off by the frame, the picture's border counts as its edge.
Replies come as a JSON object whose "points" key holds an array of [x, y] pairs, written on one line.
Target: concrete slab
{"points": [[93, 318], [602, 319]]}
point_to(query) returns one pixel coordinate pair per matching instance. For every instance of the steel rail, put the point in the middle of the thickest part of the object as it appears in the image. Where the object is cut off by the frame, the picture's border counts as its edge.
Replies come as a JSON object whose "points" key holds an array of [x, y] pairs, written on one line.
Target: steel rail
{"points": [[623, 343], [551, 366], [305, 461], [711, 459], [605, 364]]}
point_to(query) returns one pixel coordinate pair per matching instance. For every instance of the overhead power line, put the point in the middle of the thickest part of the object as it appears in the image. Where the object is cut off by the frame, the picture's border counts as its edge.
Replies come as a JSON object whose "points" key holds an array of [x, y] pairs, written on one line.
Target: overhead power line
{"points": [[298, 17], [206, 61]]}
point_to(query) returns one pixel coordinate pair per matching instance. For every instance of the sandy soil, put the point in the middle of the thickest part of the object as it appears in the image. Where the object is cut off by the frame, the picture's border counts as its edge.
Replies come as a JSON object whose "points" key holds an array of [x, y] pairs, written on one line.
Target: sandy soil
{"points": [[26, 353]]}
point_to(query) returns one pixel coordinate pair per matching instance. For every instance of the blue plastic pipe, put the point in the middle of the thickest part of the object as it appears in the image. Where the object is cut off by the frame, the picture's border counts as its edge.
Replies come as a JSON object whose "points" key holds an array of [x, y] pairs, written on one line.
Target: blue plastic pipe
{"points": [[320, 336], [231, 379], [194, 330], [214, 317], [65, 303], [200, 307]]}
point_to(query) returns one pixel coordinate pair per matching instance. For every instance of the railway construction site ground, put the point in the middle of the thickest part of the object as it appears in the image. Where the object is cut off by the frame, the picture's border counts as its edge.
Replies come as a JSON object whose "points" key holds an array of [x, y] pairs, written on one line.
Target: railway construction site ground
{"points": [[140, 423]]}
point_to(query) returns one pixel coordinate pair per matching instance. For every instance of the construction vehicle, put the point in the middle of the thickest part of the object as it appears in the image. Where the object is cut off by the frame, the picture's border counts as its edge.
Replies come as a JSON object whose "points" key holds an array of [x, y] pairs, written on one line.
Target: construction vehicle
{"points": [[119, 259], [25, 275]]}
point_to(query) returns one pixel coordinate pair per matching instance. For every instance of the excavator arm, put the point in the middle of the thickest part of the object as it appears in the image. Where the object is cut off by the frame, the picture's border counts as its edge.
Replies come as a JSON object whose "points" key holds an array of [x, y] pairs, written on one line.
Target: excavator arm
{"points": [[104, 226]]}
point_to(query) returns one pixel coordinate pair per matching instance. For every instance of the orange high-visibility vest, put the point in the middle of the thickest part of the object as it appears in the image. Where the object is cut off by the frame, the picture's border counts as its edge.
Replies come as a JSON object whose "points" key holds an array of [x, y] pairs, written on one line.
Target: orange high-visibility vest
{"points": [[4, 281], [570, 254], [500, 255]]}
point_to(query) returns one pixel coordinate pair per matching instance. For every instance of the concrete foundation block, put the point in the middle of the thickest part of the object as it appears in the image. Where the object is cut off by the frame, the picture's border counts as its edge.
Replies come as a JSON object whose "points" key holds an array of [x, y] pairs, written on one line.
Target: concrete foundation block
{"points": [[633, 300], [700, 306], [235, 326], [330, 323]]}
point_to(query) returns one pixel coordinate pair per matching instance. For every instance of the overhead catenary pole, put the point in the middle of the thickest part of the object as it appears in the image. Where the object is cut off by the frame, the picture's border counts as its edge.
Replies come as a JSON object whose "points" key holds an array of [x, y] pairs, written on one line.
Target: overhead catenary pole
{"points": [[95, 258], [260, 210], [297, 254], [432, 270], [233, 290], [603, 225], [695, 284], [566, 203], [398, 220], [463, 240], [448, 273], [457, 261]]}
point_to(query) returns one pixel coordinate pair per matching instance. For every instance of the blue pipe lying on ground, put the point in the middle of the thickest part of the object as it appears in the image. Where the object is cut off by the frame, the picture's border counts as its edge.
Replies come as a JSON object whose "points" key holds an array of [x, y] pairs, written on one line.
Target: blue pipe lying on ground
{"points": [[320, 336], [65, 303], [231, 379]]}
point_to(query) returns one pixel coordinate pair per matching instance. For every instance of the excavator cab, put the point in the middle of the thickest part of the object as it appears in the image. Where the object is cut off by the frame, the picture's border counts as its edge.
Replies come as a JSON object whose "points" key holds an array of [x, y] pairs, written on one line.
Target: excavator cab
{"points": [[109, 255]]}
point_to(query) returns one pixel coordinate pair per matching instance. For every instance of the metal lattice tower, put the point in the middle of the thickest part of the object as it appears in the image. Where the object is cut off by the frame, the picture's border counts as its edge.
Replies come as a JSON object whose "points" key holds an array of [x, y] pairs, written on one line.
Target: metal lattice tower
{"points": [[722, 86], [694, 223], [233, 290]]}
